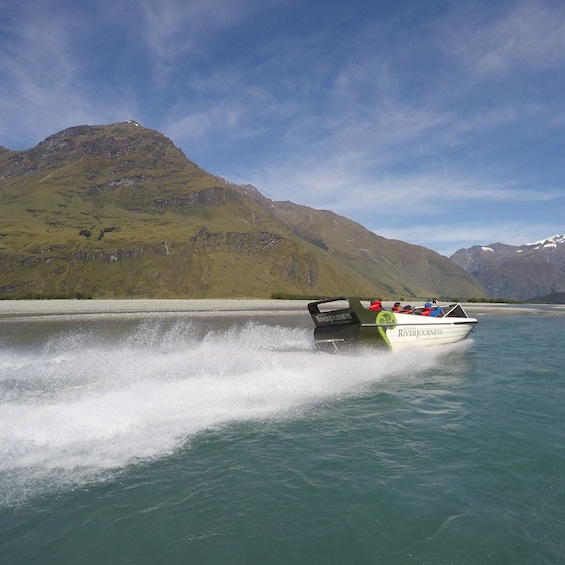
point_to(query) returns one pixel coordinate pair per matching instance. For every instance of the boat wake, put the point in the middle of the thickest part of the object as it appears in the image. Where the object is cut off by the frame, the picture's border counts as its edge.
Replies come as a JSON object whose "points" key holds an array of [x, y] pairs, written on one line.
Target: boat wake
{"points": [[81, 408]]}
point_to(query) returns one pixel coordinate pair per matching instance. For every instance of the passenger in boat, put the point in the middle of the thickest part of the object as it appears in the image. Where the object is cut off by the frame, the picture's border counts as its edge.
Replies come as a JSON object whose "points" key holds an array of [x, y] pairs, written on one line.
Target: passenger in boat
{"points": [[407, 309], [430, 309], [436, 308], [376, 304], [426, 309], [396, 307]]}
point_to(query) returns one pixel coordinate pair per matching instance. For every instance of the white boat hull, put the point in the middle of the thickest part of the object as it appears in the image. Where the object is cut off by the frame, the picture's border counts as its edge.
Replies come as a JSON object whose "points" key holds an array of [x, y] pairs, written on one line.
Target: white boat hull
{"points": [[421, 331]]}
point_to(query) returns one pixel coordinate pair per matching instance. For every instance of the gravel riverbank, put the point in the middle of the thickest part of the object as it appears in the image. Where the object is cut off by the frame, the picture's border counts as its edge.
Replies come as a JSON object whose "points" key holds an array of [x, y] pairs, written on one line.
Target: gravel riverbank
{"points": [[10, 309]]}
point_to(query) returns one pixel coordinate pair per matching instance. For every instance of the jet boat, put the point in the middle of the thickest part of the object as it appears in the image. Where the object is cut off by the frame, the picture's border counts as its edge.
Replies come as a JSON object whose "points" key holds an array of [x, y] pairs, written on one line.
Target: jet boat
{"points": [[343, 323]]}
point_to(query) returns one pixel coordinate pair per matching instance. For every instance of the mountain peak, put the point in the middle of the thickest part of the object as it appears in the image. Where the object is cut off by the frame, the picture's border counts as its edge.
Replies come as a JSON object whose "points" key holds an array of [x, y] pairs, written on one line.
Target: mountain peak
{"points": [[125, 142], [524, 272], [548, 242]]}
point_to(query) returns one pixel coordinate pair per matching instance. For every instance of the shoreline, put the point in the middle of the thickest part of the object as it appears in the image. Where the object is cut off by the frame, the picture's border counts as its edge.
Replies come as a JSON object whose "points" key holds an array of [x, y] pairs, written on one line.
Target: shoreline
{"points": [[17, 309]]}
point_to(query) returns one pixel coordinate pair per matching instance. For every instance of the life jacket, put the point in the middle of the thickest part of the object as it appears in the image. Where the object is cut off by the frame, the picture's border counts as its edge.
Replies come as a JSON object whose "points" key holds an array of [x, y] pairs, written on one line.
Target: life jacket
{"points": [[376, 305]]}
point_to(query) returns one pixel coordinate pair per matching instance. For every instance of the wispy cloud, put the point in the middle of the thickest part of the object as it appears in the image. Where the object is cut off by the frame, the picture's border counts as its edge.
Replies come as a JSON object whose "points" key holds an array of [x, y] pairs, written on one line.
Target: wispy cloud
{"points": [[446, 238], [529, 36], [349, 191], [173, 28], [42, 89]]}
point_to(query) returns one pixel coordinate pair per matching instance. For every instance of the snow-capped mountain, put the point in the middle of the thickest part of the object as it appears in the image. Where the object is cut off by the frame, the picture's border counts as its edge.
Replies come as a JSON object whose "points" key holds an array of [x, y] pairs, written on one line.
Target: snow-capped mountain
{"points": [[528, 271], [549, 243]]}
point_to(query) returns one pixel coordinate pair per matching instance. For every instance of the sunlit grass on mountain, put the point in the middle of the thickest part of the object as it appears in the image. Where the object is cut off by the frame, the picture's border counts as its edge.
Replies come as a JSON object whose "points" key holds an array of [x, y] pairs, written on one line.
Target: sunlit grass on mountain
{"points": [[119, 211]]}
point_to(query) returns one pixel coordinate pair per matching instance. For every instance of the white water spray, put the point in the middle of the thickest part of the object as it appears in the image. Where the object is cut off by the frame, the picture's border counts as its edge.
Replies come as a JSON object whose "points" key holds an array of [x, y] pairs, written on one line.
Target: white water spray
{"points": [[80, 409]]}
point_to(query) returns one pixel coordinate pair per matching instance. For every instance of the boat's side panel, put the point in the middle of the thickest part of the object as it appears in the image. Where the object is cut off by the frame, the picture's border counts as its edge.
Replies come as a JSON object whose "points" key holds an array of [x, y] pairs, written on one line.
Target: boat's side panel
{"points": [[425, 335]]}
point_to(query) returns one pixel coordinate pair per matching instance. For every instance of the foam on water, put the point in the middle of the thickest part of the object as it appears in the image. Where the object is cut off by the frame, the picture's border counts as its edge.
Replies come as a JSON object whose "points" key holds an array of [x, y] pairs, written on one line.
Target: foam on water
{"points": [[84, 407]]}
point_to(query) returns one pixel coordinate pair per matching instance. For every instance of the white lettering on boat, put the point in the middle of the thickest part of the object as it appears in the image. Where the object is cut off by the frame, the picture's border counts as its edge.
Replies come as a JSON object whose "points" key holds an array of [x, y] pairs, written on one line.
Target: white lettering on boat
{"points": [[417, 333], [334, 318]]}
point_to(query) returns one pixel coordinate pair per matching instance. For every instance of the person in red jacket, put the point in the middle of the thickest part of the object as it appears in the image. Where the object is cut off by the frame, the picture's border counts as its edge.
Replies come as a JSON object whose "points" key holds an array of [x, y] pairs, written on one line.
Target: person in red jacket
{"points": [[376, 304], [396, 307], [426, 309]]}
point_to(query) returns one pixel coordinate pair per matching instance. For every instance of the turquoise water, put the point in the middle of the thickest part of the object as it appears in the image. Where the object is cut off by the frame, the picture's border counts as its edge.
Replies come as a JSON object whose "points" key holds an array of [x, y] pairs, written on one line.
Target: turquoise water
{"points": [[186, 441]]}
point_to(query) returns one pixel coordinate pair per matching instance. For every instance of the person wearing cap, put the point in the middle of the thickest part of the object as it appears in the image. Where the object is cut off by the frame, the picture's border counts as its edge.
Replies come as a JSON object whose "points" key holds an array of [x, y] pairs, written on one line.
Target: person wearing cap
{"points": [[396, 307], [426, 309], [407, 309]]}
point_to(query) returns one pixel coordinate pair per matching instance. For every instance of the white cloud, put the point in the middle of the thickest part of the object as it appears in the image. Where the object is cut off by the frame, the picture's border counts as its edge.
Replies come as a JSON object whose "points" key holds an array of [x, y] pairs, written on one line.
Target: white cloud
{"points": [[42, 89], [349, 183], [447, 238]]}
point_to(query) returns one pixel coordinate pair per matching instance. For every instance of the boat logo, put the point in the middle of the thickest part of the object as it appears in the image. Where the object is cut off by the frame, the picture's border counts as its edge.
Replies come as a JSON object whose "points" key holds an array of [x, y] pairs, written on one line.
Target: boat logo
{"points": [[334, 318]]}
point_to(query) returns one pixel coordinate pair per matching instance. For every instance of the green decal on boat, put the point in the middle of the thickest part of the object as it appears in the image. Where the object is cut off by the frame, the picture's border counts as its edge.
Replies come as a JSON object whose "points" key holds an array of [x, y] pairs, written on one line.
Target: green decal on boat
{"points": [[385, 320]]}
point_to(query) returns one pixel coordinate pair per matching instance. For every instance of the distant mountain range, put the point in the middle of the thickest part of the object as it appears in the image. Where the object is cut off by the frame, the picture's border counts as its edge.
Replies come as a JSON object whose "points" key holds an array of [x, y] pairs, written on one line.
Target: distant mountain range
{"points": [[119, 211], [525, 272]]}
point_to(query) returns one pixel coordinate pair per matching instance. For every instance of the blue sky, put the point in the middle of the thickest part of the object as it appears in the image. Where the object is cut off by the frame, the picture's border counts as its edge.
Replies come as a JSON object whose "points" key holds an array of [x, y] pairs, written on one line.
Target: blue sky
{"points": [[437, 122]]}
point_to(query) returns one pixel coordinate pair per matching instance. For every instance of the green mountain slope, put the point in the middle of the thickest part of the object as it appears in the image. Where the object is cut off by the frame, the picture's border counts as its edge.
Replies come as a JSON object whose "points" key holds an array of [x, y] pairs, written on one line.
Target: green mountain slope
{"points": [[397, 268], [119, 211]]}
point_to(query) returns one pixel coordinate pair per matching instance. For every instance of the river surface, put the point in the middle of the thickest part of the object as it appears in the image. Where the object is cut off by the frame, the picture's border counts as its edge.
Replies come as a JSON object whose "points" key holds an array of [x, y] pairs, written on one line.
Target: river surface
{"points": [[146, 432]]}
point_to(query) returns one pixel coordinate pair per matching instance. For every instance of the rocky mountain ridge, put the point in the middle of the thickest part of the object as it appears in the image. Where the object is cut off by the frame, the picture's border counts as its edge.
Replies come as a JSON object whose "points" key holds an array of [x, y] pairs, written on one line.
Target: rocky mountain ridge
{"points": [[525, 272], [119, 211]]}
